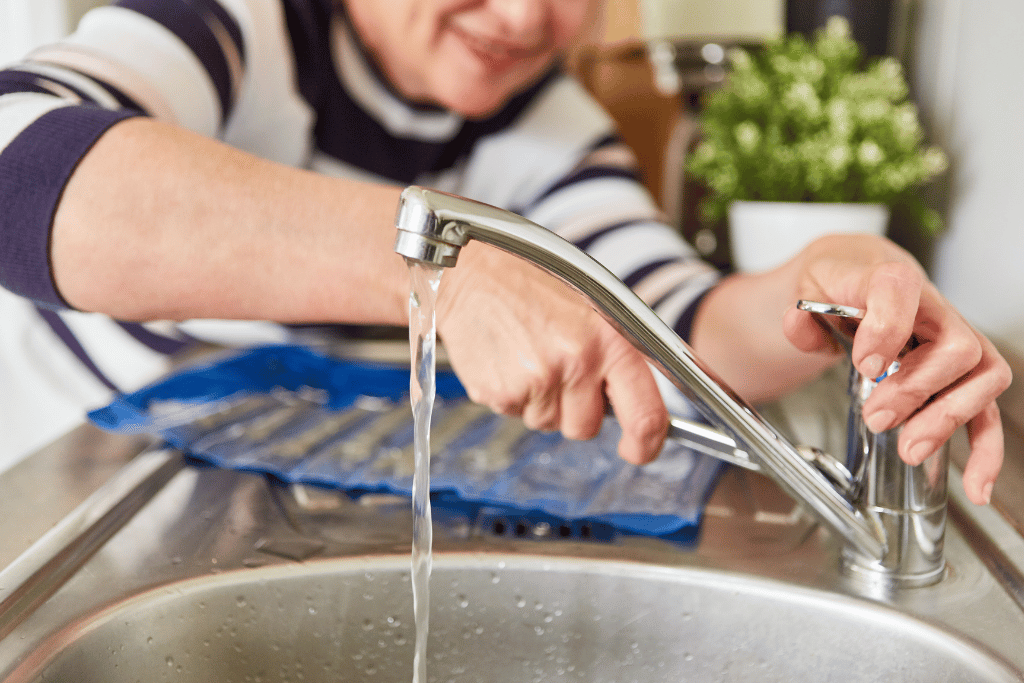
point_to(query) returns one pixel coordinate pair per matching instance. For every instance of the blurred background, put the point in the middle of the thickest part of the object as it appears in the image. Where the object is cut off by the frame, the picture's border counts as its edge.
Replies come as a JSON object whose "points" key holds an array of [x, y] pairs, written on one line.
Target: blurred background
{"points": [[649, 61]]}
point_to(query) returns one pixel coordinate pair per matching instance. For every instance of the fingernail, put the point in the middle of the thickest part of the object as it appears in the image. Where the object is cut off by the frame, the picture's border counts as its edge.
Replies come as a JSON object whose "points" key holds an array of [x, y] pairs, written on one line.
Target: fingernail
{"points": [[986, 493], [872, 366], [880, 420], [920, 452]]}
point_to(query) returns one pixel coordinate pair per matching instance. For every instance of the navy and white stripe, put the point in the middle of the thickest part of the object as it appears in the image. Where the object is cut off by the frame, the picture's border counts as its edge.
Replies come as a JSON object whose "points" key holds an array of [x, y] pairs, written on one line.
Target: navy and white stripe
{"points": [[289, 81], [212, 35]]}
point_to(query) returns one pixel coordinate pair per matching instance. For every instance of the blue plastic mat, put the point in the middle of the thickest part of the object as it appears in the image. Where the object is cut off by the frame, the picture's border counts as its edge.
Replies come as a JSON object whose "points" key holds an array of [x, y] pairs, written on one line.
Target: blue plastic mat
{"points": [[304, 417]]}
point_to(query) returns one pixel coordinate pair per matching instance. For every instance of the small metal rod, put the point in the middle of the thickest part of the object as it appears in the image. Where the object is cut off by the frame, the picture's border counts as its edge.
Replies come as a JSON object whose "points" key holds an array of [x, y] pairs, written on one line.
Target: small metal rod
{"points": [[710, 441]]}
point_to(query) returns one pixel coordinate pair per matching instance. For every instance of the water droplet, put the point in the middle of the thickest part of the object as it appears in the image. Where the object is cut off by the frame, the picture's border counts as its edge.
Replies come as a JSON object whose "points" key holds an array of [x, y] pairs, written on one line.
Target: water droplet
{"points": [[149, 641], [520, 602], [394, 621], [170, 660], [367, 625], [312, 610], [240, 601]]}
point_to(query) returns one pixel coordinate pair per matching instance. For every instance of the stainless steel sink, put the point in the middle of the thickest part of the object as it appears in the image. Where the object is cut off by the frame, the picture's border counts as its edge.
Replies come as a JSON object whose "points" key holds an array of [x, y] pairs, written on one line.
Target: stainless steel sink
{"points": [[171, 572], [227, 577], [500, 617]]}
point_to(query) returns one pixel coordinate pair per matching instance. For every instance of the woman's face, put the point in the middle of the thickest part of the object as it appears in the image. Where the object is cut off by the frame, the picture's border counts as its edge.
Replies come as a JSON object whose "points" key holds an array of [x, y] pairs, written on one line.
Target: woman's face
{"points": [[469, 56]]}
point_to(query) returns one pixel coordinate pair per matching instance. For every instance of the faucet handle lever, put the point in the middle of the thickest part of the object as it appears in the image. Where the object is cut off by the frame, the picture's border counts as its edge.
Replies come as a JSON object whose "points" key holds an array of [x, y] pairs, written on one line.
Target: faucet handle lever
{"points": [[838, 320], [842, 321]]}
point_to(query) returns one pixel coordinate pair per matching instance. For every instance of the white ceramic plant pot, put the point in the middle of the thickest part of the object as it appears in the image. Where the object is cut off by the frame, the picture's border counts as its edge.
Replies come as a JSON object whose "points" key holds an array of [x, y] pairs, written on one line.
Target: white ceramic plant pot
{"points": [[764, 235]]}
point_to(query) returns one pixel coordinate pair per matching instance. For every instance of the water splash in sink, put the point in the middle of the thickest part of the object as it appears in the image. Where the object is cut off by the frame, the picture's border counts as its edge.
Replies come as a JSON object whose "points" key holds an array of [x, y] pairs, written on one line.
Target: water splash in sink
{"points": [[422, 340]]}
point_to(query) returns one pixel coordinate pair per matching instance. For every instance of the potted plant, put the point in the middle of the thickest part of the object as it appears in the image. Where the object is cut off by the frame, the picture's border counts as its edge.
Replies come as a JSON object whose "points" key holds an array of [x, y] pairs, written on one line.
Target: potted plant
{"points": [[804, 136]]}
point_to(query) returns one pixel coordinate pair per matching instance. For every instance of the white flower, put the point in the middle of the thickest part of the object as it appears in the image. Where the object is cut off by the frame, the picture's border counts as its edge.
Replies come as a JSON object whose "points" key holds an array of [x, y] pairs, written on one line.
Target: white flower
{"points": [[801, 97], [749, 87], [810, 68], [888, 76], [905, 126], [740, 60], [838, 157], [748, 136], [840, 118], [895, 178], [934, 161], [890, 69], [706, 152], [782, 64], [869, 154], [873, 110], [837, 27]]}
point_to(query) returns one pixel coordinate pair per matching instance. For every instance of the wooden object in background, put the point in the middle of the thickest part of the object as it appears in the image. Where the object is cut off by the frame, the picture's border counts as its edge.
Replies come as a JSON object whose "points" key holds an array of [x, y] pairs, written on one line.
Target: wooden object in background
{"points": [[620, 78]]}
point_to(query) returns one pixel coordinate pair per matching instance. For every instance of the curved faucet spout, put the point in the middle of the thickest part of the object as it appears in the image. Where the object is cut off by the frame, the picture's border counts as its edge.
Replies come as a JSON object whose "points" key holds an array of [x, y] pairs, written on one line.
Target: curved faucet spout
{"points": [[433, 226]]}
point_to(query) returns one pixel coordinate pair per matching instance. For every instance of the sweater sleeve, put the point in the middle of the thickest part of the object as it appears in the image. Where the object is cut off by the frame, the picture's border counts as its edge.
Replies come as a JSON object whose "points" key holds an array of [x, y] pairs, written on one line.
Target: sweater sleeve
{"points": [[180, 62]]}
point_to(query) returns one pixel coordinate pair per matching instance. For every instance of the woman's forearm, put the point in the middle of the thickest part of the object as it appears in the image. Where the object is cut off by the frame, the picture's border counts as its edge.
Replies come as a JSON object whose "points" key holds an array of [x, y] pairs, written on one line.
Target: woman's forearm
{"points": [[157, 222]]}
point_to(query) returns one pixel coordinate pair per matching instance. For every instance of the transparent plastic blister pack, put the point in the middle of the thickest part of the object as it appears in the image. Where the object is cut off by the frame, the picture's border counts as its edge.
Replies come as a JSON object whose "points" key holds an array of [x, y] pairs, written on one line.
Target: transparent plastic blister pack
{"points": [[304, 417]]}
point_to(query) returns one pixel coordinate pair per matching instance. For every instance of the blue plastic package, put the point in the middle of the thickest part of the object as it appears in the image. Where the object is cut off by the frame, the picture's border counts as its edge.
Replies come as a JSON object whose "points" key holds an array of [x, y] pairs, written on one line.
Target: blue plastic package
{"points": [[306, 417]]}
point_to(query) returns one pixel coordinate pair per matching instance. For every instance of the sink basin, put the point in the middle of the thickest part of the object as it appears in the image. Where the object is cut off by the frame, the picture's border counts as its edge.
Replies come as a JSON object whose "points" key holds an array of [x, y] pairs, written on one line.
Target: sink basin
{"points": [[227, 577], [499, 618]]}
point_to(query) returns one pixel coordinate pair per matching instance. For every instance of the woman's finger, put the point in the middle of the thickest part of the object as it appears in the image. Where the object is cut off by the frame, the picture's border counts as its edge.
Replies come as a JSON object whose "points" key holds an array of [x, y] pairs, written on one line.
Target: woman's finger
{"points": [[985, 432], [638, 405], [892, 303]]}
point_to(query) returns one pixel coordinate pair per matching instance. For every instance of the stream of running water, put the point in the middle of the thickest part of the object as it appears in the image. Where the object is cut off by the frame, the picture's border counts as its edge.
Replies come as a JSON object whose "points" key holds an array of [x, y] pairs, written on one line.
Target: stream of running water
{"points": [[422, 341]]}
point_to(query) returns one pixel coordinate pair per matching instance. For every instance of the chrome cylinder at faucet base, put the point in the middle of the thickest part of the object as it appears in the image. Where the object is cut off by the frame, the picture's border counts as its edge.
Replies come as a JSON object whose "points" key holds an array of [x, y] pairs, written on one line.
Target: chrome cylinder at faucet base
{"points": [[914, 554], [907, 503]]}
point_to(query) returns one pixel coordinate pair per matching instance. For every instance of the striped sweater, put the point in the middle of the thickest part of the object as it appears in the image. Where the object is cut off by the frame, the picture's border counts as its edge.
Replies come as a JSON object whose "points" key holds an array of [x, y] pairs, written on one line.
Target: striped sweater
{"points": [[288, 80]]}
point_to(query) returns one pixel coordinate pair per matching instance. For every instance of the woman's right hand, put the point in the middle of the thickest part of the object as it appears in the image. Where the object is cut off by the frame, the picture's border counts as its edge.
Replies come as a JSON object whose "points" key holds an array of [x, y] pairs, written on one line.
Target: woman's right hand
{"points": [[526, 345]]}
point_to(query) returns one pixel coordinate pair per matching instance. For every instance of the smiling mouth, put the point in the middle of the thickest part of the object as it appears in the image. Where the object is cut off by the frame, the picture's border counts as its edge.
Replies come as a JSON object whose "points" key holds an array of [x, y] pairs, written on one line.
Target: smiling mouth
{"points": [[495, 54]]}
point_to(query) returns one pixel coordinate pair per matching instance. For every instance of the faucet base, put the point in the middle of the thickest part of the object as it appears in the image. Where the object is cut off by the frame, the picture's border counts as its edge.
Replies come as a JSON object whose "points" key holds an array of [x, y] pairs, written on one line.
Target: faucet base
{"points": [[914, 556], [880, 583]]}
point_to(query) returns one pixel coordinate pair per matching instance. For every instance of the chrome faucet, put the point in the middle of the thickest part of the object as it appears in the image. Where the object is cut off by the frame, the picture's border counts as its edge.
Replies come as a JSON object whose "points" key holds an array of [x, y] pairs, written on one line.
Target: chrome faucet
{"points": [[890, 516], [907, 502]]}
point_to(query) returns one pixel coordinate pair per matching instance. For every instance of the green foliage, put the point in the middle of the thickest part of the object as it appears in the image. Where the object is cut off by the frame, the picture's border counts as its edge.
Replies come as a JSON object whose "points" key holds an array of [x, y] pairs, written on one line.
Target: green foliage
{"points": [[805, 121]]}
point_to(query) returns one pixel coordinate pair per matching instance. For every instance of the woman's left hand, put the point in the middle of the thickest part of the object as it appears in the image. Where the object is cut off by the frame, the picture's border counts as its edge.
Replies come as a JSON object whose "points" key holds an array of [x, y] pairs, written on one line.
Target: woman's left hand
{"points": [[951, 379]]}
